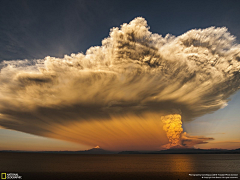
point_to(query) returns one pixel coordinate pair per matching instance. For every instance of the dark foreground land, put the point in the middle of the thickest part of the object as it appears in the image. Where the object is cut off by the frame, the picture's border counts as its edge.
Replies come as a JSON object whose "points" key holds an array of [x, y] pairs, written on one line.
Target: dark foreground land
{"points": [[117, 166]]}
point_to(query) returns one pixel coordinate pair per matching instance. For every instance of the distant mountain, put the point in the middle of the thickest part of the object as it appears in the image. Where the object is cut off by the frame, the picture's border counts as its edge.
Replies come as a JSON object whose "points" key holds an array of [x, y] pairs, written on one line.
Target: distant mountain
{"points": [[196, 151], [235, 151], [130, 152], [98, 150]]}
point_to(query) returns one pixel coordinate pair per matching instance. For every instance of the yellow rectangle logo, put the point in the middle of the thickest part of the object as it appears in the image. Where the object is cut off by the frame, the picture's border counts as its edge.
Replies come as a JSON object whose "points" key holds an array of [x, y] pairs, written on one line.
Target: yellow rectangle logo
{"points": [[3, 176]]}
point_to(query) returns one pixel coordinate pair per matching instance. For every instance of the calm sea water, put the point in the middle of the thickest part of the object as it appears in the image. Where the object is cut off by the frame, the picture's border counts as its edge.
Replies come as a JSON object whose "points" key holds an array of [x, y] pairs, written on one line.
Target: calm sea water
{"points": [[149, 166]]}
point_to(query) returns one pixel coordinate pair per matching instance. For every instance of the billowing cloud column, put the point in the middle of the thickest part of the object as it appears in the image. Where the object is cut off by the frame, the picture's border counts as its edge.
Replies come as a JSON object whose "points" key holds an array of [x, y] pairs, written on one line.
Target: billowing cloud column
{"points": [[134, 72]]}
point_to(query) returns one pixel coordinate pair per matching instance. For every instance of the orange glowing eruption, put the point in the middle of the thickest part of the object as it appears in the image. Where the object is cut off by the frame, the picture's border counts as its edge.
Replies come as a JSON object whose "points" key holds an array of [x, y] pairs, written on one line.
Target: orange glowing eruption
{"points": [[172, 124]]}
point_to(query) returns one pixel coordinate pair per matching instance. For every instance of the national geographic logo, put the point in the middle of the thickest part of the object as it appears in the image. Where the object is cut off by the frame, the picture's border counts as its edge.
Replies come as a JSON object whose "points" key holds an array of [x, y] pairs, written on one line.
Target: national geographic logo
{"points": [[3, 176], [10, 176]]}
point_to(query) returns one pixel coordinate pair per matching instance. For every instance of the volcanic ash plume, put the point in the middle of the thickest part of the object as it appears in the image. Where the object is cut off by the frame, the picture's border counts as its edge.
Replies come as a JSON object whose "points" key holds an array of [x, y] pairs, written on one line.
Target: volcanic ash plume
{"points": [[172, 124], [134, 72]]}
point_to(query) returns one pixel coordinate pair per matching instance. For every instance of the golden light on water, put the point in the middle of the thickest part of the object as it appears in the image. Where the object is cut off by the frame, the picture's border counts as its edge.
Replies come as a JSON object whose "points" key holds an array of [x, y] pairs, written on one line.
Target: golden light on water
{"points": [[181, 163]]}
